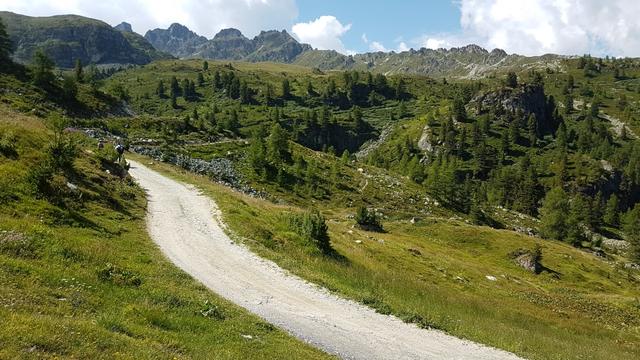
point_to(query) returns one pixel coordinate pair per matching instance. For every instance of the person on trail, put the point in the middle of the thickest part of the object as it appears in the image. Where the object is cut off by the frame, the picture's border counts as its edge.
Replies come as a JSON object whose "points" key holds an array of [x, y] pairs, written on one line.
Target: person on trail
{"points": [[120, 151], [100, 144]]}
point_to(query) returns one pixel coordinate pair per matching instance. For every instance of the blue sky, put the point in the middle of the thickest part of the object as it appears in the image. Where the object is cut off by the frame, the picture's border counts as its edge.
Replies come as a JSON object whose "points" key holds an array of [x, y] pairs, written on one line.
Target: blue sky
{"points": [[387, 22], [528, 27]]}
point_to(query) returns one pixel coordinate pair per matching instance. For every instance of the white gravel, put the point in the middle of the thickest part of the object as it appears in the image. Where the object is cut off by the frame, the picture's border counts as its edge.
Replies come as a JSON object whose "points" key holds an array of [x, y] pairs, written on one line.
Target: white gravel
{"points": [[184, 224]]}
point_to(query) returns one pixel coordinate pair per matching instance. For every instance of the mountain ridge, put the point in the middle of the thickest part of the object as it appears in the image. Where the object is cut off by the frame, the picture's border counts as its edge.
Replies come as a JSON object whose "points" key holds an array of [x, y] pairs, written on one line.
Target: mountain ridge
{"points": [[67, 38]]}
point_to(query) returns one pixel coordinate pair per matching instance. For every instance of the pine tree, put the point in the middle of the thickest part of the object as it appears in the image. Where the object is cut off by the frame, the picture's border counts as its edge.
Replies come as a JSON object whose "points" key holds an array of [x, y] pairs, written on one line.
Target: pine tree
{"points": [[186, 90], [200, 79], [611, 213], [632, 230], [257, 153], [595, 108], [78, 71], [205, 65], [217, 84], [233, 123], [233, 90], [512, 80], [268, 95], [568, 104], [175, 89], [5, 47], [69, 88], [504, 145], [514, 132], [554, 214], [160, 91], [245, 93], [286, 89], [561, 136], [532, 126], [310, 91], [42, 69], [399, 91], [278, 145], [459, 111], [174, 100], [346, 156]]}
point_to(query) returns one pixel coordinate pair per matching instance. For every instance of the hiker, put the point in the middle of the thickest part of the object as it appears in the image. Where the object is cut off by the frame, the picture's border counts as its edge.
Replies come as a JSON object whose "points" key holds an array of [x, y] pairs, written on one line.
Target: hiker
{"points": [[100, 144], [120, 151]]}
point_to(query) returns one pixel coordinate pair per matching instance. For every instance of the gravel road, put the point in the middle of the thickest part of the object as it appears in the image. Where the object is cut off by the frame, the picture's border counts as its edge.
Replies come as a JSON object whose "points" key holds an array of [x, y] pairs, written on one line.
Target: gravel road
{"points": [[184, 224]]}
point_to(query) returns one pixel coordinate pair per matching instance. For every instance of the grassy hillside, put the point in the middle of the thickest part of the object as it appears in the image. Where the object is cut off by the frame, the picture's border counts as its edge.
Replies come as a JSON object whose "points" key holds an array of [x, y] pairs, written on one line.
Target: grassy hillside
{"points": [[79, 276], [432, 160], [447, 274]]}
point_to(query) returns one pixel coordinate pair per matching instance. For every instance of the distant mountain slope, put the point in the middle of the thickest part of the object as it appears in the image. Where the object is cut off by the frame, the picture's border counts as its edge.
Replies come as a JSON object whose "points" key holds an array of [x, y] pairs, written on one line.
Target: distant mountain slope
{"points": [[228, 44], [66, 38], [470, 61], [139, 42]]}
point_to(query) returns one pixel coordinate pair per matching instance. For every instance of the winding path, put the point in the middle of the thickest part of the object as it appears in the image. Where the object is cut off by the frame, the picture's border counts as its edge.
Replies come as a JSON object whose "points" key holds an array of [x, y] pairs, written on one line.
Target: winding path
{"points": [[184, 224]]}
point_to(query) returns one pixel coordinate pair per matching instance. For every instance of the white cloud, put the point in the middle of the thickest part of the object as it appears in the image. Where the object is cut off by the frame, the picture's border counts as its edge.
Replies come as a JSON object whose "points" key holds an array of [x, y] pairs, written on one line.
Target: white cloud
{"points": [[324, 33], [206, 17], [376, 46], [402, 46], [534, 27], [364, 38]]}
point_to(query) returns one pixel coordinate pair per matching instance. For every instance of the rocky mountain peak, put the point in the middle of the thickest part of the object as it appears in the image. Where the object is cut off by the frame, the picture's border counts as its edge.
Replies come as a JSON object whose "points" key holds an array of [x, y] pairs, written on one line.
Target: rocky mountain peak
{"points": [[498, 53], [472, 49], [229, 33], [124, 27]]}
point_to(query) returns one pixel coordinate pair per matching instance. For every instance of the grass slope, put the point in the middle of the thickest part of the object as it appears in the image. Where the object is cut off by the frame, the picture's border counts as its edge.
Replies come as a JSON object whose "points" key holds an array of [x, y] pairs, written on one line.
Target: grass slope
{"points": [[435, 273], [80, 278]]}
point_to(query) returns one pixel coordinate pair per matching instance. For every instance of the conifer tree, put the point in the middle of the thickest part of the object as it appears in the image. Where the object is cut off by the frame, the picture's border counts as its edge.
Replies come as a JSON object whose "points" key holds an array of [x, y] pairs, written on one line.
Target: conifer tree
{"points": [[611, 213], [512, 80], [532, 126], [42, 69], [217, 83], [632, 230], [160, 91], [175, 89], [200, 79], [286, 89], [79, 71], [5, 47], [554, 214]]}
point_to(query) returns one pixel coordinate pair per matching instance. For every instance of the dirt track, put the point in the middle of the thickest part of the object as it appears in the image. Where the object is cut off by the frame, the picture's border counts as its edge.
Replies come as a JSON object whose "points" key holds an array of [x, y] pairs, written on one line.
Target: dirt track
{"points": [[184, 225]]}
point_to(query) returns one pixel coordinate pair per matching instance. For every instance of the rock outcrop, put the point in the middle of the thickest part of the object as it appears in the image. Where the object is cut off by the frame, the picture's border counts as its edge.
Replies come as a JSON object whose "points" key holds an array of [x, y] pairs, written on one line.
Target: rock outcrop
{"points": [[177, 40]]}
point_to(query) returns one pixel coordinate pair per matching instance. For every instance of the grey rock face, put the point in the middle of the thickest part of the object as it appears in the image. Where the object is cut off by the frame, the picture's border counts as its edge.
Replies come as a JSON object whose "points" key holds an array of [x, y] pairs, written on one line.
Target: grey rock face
{"points": [[177, 40]]}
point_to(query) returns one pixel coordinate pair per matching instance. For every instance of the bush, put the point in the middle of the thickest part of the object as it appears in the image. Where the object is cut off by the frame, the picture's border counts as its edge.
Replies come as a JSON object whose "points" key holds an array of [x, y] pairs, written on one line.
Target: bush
{"points": [[313, 228], [8, 145], [116, 275], [40, 176], [62, 154], [211, 311], [17, 244], [367, 219]]}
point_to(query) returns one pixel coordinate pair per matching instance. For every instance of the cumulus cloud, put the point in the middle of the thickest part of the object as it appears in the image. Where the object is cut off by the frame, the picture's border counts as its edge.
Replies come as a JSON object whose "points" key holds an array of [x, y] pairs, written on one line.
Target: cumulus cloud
{"points": [[376, 46], [206, 17], [533, 27], [402, 46], [324, 33]]}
